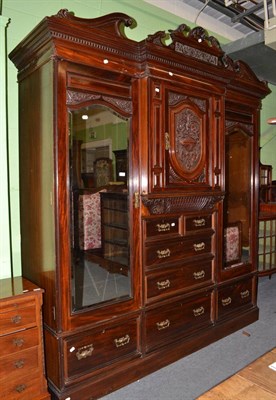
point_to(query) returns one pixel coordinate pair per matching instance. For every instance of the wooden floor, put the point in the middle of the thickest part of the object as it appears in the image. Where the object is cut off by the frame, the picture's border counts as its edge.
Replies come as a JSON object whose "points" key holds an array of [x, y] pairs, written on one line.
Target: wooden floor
{"points": [[257, 381]]}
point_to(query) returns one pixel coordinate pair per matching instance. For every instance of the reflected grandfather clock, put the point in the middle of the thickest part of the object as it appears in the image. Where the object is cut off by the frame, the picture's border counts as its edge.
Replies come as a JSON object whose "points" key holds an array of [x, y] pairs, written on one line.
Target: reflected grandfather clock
{"points": [[121, 165]]}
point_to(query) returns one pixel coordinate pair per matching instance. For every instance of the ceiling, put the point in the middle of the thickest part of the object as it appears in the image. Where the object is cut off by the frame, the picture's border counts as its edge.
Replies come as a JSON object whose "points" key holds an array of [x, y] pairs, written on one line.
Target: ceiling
{"points": [[240, 21]]}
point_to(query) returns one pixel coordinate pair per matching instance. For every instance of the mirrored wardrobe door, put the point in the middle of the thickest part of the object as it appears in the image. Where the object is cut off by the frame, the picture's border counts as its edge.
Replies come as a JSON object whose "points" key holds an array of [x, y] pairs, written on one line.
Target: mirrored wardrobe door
{"points": [[100, 263], [237, 211]]}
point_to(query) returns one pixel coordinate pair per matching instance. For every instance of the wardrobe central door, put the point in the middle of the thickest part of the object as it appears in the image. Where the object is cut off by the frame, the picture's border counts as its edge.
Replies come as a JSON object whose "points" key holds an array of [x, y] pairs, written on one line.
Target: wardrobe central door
{"points": [[100, 235]]}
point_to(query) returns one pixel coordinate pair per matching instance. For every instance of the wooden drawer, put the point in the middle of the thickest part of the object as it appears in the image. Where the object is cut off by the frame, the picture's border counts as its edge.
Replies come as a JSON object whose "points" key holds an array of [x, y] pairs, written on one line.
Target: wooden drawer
{"points": [[18, 364], [234, 297], [18, 341], [171, 280], [178, 319], [159, 228], [171, 251], [100, 347], [197, 223], [25, 388], [16, 316]]}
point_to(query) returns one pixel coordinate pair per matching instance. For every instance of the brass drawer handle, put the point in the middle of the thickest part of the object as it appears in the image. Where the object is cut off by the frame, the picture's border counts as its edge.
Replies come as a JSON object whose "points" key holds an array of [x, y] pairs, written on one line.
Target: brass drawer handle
{"points": [[199, 246], [199, 274], [163, 253], [163, 227], [199, 222], [245, 294], [198, 311], [122, 341], [163, 284], [226, 302], [20, 388], [84, 352], [163, 325], [18, 342], [16, 319], [19, 364]]}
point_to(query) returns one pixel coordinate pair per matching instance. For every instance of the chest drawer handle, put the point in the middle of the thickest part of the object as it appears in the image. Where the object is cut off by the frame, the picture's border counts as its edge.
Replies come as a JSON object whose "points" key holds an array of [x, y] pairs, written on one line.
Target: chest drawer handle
{"points": [[244, 294], [199, 274], [199, 222], [16, 319], [198, 311], [163, 227], [19, 364], [122, 341], [163, 253], [199, 246], [20, 388], [84, 352], [163, 284], [163, 325], [226, 302], [18, 342]]}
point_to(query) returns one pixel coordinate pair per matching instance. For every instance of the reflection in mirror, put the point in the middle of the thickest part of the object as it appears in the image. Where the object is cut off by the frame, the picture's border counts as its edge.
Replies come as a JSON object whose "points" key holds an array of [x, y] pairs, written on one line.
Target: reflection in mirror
{"points": [[237, 204], [99, 206]]}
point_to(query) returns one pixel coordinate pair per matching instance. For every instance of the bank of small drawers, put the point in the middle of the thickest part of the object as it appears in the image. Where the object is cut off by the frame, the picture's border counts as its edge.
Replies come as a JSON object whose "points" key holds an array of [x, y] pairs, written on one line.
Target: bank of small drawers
{"points": [[100, 347], [178, 319], [175, 238], [21, 356], [173, 226], [235, 297], [178, 254]]}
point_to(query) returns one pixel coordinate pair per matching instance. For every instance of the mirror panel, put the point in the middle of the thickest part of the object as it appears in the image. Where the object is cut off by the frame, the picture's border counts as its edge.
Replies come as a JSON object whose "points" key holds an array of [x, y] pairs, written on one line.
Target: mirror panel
{"points": [[237, 212], [100, 265]]}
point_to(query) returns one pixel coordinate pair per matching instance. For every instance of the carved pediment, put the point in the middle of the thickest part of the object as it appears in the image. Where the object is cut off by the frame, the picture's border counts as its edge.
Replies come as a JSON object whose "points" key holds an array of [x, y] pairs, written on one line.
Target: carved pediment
{"points": [[113, 23]]}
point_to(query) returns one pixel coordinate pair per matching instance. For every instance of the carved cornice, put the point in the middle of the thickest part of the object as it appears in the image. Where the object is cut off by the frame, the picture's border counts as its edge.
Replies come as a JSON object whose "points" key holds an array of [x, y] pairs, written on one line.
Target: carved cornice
{"points": [[184, 67], [95, 45], [106, 34], [174, 204]]}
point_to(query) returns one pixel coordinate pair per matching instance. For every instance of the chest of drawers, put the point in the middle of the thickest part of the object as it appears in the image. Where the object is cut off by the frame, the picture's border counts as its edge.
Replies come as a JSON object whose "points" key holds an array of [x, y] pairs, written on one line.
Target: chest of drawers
{"points": [[21, 344]]}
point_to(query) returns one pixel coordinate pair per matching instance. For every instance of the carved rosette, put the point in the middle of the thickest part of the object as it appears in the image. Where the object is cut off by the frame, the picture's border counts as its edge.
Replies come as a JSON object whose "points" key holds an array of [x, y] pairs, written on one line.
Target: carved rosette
{"points": [[170, 205]]}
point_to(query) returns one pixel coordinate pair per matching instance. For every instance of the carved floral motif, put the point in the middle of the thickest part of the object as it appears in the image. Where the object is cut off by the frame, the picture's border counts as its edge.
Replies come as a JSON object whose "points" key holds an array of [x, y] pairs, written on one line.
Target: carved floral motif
{"points": [[79, 97], [74, 98], [195, 53], [188, 148]]}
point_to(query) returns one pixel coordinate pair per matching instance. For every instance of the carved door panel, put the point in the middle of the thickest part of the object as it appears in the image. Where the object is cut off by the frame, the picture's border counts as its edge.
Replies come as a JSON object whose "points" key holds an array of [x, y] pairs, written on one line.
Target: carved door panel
{"points": [[186, 140]]}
